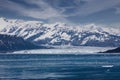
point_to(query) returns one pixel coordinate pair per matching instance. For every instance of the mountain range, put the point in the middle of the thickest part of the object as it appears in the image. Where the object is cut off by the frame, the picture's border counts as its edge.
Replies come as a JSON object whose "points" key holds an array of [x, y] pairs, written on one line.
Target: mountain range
{"points": [[56, 34], [10, 43]]}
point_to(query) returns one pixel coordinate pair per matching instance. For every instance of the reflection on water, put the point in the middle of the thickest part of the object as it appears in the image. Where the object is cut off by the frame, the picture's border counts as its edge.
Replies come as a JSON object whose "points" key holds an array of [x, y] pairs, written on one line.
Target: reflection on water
{"points": [[59, 67]]}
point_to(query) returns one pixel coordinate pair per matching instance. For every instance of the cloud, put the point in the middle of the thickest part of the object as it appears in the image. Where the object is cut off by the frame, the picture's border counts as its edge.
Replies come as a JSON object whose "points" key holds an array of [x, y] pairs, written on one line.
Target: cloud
{"points": [[93, 6], [47, 11], [44, 11], [53, 11], [117, 10], [82, 7]]}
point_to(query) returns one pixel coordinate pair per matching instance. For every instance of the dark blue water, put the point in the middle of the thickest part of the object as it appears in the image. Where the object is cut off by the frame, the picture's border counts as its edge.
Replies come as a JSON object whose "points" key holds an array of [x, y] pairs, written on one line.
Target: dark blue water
{"points": [[59, 67]]}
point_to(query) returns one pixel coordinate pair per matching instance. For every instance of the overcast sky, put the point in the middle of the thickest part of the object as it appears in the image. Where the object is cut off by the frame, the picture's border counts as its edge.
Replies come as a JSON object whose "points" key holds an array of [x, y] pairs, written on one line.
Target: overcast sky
{"points": [[68, 11]]}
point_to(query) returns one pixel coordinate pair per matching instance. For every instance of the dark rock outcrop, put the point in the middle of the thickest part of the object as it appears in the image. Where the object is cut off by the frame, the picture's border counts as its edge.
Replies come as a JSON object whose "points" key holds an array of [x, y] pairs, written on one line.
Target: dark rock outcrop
{"points": [[117, 50]]}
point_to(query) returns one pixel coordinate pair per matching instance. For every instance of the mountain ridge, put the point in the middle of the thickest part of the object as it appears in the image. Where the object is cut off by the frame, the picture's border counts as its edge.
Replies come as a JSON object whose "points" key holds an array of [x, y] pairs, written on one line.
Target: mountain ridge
{"points": [[61, 33], [10, 43], [116, 50]]}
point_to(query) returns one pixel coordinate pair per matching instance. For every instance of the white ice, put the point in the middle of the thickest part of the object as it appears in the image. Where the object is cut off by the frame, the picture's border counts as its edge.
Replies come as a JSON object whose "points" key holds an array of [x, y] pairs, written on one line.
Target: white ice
{"points": [[65, 50]]}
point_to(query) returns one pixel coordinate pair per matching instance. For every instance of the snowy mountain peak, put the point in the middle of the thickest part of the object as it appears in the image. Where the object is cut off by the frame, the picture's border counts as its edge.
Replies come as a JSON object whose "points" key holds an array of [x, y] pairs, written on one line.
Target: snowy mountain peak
{"points": [[61, 33], [3, 23]]}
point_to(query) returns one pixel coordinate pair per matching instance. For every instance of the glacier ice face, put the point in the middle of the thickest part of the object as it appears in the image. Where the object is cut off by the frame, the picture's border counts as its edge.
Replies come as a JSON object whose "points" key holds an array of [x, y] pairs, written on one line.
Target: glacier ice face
{"points": [[61, 33], [65, 50]]}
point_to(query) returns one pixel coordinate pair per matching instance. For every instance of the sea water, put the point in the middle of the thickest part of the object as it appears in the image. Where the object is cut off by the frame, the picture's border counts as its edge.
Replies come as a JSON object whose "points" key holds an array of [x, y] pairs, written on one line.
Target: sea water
{"points": [[60, 66]]}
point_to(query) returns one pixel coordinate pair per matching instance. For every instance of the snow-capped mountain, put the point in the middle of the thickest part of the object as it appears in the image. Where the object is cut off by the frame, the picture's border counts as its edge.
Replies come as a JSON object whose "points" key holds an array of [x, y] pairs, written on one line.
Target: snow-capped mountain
{"points": [[12, 43], [61, 33]]}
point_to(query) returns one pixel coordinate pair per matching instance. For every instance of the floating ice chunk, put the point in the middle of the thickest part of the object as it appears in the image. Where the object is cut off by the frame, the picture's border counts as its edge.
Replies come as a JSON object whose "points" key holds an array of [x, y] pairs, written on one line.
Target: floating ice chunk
{"points": [[107, 66]]}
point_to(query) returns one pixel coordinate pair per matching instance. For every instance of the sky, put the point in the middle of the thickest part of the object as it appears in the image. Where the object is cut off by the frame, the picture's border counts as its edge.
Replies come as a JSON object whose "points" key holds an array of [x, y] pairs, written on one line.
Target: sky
{"points": [[67, 11]]}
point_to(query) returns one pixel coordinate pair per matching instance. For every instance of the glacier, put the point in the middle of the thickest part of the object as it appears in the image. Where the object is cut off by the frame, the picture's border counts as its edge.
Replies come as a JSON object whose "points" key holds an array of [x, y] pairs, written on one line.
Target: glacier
{"points": [[65, 50]]}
